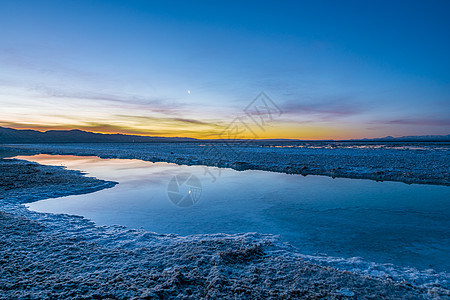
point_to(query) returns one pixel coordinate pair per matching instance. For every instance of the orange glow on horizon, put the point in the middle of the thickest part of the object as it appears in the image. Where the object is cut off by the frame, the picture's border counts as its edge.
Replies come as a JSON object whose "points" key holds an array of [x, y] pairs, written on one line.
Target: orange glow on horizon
{"points": [[274, 132]]}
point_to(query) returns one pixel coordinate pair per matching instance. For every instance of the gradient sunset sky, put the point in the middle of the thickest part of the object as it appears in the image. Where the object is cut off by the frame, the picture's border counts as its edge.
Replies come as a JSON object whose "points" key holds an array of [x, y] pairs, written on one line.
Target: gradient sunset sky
{"points": [[336, 69]]}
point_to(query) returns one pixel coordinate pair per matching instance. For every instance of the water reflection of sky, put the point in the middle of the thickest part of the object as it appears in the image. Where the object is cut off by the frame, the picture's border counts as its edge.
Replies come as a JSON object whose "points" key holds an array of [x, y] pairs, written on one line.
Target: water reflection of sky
{"points": [[383, 222]]}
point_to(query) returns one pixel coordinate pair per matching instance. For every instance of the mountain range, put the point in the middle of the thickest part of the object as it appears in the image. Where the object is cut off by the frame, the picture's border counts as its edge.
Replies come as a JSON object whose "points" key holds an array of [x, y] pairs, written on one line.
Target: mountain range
{"points": [[16, 136]]}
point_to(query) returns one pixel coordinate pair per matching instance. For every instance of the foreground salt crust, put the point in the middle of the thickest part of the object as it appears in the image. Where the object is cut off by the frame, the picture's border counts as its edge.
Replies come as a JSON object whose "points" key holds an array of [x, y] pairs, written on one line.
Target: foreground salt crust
{"points": [[62, 256]]}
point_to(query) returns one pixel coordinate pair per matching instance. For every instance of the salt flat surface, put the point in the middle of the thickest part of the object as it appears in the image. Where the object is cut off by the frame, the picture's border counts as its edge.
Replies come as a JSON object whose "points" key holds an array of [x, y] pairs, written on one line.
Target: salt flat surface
{"points": [[389, 228], [406, 162], [48, 256]]}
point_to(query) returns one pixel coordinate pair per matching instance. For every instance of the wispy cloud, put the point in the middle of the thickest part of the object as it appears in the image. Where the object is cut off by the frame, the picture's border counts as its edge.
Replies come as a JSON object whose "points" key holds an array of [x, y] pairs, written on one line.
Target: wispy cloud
{"points": [[418, 122], [166, 120], [326, 109], [161, 105], [192, 121]]}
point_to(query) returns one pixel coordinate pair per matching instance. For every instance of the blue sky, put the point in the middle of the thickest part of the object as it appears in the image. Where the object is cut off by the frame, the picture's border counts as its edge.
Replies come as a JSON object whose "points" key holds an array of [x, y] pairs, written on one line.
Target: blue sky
{"points": [[337, 69]]}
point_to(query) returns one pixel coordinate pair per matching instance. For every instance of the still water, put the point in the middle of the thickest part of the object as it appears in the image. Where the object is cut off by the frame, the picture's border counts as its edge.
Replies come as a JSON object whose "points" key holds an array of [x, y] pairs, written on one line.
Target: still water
{"points": [[385, 222]]}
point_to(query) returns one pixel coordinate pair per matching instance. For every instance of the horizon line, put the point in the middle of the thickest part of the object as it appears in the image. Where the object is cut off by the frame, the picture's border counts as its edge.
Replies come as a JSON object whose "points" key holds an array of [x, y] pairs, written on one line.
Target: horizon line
{"points": [[385, 138]]}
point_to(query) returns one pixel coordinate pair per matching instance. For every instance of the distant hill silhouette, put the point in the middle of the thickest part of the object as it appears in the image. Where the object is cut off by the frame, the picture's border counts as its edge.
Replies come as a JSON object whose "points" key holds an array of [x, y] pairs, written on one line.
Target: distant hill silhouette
{"points": [[15, 136], [413, 138]]}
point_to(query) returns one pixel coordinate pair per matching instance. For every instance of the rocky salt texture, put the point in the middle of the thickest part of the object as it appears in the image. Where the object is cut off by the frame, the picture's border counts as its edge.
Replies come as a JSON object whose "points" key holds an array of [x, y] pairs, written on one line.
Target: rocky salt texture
{"points": [[23, 181], [424, 163], [47, 256]]}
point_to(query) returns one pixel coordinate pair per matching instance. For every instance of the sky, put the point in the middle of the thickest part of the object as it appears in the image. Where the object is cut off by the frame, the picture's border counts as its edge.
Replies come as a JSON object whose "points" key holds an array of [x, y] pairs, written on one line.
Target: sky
{"points": [[214, 69]]}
